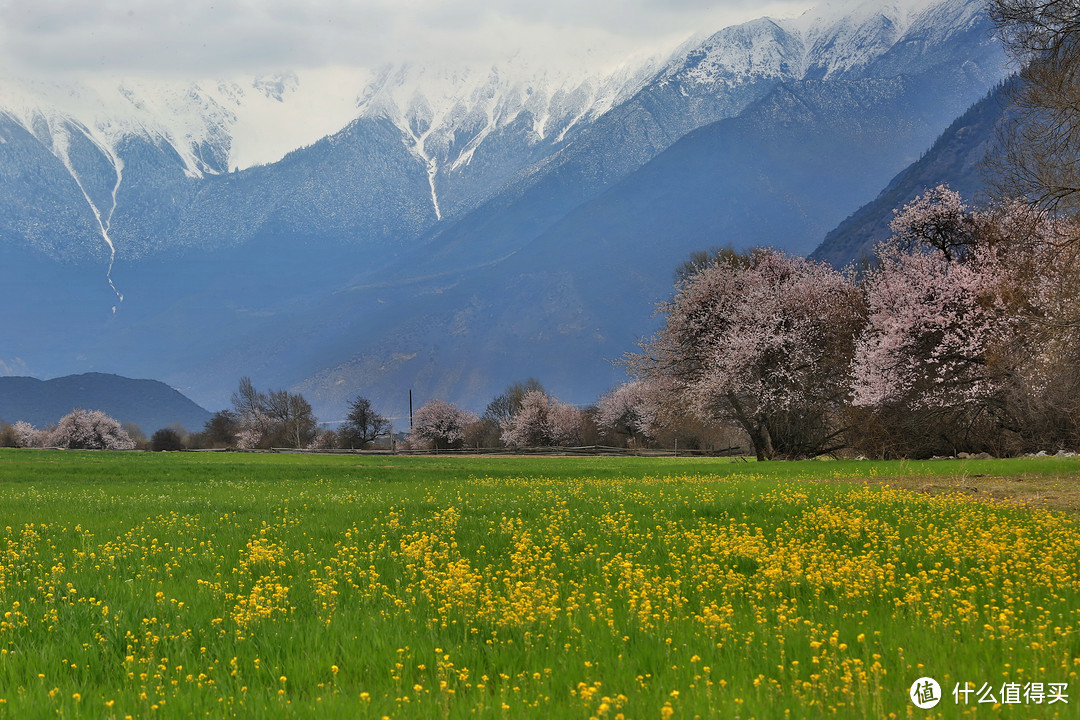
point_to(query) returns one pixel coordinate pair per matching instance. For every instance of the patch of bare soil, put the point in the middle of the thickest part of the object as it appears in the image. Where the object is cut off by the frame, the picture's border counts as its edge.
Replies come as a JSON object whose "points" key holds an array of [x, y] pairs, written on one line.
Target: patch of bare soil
{"points": [[1051, 492]]}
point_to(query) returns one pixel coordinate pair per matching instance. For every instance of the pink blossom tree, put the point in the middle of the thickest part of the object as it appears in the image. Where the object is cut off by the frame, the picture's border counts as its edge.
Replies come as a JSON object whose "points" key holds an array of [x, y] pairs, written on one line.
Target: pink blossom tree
{"points": [[763, 340], [631, 409], [930, 326], [441, 424], [937, 219], [90, 430], [565, 424], [28, 436], [542, 421], [968, 322]]}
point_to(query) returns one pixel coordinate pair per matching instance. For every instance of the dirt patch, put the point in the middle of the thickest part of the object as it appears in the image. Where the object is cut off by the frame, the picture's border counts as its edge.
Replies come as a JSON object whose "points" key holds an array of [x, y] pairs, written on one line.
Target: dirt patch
{"points": [[1051, 492]]}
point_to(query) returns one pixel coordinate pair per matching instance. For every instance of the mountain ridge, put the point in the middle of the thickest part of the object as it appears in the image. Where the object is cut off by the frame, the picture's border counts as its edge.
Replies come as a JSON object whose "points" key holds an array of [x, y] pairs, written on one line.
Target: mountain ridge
{"points": [[150, 404]]}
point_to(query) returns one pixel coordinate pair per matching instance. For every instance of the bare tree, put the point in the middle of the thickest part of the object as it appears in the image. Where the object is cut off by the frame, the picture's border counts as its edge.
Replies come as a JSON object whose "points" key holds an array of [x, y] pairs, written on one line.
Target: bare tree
{"points": [[274, 418], [293, 419], [1035, 157], [362, 425]]}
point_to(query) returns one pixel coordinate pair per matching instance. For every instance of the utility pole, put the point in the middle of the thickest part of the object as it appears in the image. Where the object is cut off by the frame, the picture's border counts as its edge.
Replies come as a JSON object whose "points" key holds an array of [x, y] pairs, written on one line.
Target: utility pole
{"points": [[410, 409]]}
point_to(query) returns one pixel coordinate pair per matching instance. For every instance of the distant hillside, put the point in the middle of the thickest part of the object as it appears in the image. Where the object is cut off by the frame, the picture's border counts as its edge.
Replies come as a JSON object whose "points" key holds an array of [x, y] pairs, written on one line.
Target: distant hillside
{"points": [[956, 159], [148, 403]]}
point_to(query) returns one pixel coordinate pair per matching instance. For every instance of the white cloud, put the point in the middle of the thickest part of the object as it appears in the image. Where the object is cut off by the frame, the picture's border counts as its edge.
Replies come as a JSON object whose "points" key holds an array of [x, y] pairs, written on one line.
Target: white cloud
{"points": [[215, 38]]}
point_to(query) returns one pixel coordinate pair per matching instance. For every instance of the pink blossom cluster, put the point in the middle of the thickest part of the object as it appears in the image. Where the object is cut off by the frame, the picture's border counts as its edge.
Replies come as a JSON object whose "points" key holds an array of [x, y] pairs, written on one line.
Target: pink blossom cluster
{"points": [[755, 339], [542, 420], [954, 302], [440, 424], [632, 408], [970, 311], [78, 430], [930, 323], [755, 334]]}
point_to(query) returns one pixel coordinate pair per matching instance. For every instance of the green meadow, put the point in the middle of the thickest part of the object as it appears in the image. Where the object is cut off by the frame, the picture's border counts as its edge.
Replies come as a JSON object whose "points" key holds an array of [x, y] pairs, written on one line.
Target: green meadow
{"points": [[341, 586]]}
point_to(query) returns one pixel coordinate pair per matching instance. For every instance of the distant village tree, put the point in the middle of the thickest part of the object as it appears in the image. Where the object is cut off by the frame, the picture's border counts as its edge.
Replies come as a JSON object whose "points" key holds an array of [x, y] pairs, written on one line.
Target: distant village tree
{"points": [[441, 425], [501, 409], [541, 421], [566, 424], [166, 439], [90, 430], [28, 436], [135, 432], [631, 411], [362, 425], [275, 419], [8, 438], [294, 421], [220, 431]]}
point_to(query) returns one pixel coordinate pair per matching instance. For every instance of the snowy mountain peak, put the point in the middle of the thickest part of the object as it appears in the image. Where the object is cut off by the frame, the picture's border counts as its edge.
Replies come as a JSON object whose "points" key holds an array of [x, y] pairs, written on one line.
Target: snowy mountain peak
{"points": [[446, 113], [843, 43], [213, 126], [753, 50], [832, 39]]}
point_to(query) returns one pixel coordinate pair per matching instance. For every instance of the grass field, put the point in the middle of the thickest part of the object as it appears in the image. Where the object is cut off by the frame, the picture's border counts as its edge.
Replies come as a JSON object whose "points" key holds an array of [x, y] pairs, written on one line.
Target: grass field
{"points": [[227, 585]]}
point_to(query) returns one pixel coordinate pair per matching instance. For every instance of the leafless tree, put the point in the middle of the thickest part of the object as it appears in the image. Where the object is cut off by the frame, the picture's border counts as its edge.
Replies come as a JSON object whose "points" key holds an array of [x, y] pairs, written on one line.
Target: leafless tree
{"points": [[1036, 154], [362, 425], [275, 418]]}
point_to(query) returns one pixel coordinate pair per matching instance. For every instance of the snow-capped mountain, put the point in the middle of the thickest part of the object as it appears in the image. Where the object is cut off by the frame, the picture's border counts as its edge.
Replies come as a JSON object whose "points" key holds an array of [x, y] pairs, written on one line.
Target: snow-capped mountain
{"points": [[212, 126], [474, 129], [349, 230], [471, 130]]}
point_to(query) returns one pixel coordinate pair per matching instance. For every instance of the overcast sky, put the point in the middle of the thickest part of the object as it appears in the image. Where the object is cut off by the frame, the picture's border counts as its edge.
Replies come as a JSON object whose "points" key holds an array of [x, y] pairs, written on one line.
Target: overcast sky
{"points": [[219, 38]]}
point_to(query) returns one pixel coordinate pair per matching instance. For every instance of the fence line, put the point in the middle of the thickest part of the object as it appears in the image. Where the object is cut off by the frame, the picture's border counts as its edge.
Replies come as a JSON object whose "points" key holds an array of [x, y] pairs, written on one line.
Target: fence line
{"points": [[585, 450]]}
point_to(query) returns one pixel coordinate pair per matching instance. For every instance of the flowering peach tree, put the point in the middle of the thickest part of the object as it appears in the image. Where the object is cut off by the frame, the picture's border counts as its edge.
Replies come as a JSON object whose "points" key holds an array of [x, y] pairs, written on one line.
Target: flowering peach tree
{"points": [[542, 420], [969, 317], [441, 424], [763, 340], [631, 409], [90, 430]]}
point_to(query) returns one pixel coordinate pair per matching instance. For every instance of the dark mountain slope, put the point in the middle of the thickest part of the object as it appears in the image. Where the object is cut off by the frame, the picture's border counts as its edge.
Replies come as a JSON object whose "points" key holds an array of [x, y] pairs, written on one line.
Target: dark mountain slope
{"points": [[780, 174], [148, 403], [956, 159]]}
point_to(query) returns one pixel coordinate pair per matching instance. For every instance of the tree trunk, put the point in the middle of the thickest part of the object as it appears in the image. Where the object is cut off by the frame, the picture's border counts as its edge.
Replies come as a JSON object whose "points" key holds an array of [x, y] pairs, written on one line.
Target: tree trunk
{"points": [[755, 427], [762, 441]]}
